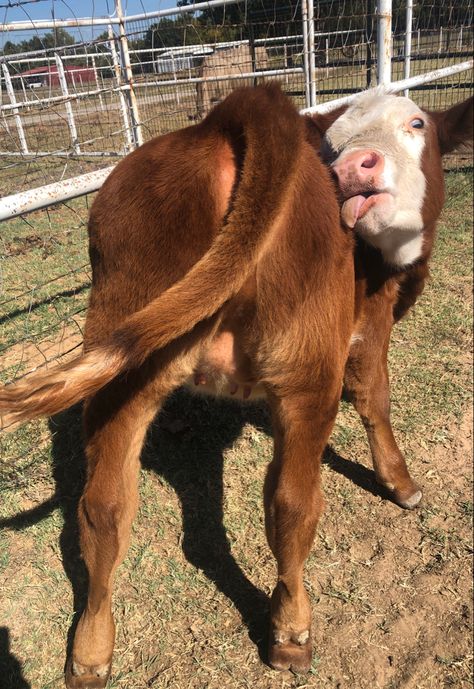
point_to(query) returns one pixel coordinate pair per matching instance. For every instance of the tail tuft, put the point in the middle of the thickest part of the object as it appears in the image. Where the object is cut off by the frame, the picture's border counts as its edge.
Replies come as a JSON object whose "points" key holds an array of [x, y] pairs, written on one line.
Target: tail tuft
{"points": [[49, 392]]}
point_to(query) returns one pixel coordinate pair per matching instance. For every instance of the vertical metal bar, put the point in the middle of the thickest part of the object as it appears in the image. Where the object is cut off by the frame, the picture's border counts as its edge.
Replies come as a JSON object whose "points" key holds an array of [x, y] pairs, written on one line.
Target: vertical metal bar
{"points": [[369, 38], [384, 41], [118, 81], [23, 88], [312, 54], [127, 69], [96, 77], [175, 77], [440, 46], [307, 84], [326, 54], [408, 31], [285, 58], [12, 97], [252, 52], [69, 113], [4, 117]]}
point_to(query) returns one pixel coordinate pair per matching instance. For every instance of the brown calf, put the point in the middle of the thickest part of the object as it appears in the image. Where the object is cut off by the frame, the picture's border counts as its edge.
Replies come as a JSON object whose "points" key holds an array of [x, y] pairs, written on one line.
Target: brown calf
{"points": [[226, 263]]}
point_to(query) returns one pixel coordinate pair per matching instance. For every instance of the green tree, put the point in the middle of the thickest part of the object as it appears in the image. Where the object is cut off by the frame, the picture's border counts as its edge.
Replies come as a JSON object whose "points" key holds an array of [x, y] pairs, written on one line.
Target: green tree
{"points": [[57, 38]]}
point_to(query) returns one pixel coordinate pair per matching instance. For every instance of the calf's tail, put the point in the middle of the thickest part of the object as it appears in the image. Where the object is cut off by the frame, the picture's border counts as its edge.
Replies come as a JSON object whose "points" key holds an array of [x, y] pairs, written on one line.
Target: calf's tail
{"points": [[272, 134]]}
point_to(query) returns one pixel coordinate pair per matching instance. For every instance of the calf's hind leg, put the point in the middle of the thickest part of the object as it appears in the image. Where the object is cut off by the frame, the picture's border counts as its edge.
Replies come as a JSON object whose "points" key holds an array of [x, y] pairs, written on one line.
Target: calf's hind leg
{"points": [[116, 421], [293, 505]]}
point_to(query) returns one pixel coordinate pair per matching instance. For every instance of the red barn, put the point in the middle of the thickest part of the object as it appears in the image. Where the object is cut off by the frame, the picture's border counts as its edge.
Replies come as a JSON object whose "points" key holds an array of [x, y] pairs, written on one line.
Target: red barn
{"points": [[48, 76]]}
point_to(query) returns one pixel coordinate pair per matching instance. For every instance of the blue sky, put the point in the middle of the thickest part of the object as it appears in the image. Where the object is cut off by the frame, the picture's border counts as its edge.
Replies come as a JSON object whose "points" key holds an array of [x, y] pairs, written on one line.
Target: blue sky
{"points": [[66, 9]]}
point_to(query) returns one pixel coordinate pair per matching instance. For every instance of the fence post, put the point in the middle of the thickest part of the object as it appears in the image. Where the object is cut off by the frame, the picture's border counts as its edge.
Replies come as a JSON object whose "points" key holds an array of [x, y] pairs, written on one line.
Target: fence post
{"points": [[312, 53], [99, 85], [12, 97], [309, 63], [368, 41], [127, 69], [23, 88], [69, 113], [408, 32], [384, 41], [175, 77], [118, 83], [304, 21]]}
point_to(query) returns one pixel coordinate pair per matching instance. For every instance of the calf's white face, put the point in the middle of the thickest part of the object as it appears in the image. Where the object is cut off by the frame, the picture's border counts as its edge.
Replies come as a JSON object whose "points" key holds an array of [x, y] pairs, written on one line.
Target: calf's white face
{"points": [[375, 149]]}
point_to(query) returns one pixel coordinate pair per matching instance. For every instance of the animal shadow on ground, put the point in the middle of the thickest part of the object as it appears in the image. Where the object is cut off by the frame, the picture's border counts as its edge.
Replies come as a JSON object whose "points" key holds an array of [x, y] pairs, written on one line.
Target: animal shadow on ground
{"points": [[10, 668], [185, 446]]}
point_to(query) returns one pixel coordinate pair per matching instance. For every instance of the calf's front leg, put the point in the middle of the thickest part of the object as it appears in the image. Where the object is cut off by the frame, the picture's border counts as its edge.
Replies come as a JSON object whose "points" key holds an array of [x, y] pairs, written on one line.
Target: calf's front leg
{"points": [[293, 505], [366, 384]]}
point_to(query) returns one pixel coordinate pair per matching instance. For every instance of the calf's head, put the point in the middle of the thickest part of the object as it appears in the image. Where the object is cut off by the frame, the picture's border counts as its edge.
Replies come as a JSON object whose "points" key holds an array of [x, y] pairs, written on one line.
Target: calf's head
{"points": [[386, 155]]}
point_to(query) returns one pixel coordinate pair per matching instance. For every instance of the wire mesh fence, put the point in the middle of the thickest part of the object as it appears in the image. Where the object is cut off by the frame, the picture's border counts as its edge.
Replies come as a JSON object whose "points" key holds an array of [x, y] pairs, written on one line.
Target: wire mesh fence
{"points": [[71, 97], [76, 98]]}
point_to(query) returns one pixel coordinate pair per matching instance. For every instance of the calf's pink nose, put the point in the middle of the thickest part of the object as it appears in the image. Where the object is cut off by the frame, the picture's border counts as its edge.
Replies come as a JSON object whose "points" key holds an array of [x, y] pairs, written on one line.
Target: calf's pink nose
{"points": [[359, 165]]}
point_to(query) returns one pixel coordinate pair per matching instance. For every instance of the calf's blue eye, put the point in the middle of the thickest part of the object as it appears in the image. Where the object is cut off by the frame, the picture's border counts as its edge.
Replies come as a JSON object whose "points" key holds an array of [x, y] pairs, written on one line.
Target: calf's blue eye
{"points": [[417, 123]]}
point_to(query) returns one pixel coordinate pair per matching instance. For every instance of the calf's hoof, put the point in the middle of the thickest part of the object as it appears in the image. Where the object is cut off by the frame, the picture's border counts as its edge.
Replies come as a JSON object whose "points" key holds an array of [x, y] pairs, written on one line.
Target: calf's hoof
{"points": [[408, 497], [409, 502], [80, 676], [290, 651]]}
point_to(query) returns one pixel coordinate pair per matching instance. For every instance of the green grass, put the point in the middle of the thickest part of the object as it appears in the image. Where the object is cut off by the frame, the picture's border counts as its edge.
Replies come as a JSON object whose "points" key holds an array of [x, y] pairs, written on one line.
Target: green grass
{"points": [[45, 285], [391, 590]]}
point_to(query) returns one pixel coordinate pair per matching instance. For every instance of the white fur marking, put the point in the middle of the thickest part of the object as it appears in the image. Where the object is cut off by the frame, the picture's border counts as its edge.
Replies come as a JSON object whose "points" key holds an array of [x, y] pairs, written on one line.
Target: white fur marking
{"points": [[280, 636], [380, 122], [302, 638], [412, 142], [355, 338], [389, 177], [413, 501], [80, 670], [400, 249]]}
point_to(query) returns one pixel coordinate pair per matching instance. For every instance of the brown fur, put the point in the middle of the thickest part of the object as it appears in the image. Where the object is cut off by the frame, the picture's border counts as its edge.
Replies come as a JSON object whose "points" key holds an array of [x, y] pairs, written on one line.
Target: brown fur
{"points": [[219, 249]]}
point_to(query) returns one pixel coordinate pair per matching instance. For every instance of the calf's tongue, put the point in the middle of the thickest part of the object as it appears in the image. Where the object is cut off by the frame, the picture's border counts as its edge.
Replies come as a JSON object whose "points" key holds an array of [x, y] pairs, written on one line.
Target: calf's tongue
{"points": [[350, 211]]}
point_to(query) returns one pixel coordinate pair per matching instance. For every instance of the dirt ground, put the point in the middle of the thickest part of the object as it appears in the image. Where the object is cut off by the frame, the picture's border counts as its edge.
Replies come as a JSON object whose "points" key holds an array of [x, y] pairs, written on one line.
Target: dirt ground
{"points": [[417, 584], [391, 590]]}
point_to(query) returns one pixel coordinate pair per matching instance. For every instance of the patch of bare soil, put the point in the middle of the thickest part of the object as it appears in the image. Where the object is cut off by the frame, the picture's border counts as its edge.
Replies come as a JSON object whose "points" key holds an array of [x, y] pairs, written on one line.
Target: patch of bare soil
{"points": [[34, 354], [19, 246], [402, 611]]}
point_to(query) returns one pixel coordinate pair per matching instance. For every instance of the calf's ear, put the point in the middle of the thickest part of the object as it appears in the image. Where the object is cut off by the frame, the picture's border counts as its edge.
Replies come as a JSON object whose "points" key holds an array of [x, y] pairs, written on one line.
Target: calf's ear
{"points": [[323, 122], [454, 126]]}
